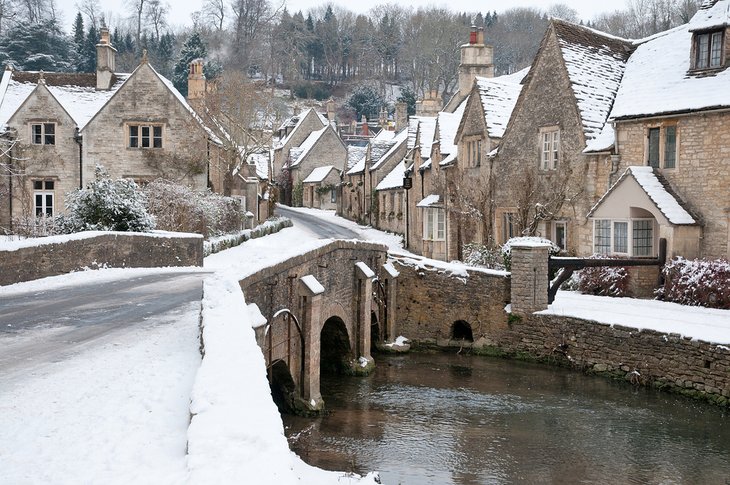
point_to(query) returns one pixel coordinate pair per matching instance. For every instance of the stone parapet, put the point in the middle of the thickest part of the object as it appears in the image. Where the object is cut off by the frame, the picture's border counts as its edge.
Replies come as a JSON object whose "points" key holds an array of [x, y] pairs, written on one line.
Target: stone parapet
{"points": [[529, 289]]}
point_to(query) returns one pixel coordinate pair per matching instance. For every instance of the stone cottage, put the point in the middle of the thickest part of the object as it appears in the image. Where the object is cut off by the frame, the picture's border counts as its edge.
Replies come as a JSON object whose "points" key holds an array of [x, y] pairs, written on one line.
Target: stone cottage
{"points": [[57, 127]]}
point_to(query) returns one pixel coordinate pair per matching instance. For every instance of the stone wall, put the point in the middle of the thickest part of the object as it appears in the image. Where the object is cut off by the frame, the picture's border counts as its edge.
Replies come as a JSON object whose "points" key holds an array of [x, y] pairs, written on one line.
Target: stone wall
{"points": [[702, 172], [430, 300], [65, 254]]}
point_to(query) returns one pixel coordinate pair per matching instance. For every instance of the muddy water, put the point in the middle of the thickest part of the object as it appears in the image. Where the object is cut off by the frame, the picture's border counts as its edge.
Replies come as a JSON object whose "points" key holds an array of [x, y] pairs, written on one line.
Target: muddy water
{"points": [[456, 419]]}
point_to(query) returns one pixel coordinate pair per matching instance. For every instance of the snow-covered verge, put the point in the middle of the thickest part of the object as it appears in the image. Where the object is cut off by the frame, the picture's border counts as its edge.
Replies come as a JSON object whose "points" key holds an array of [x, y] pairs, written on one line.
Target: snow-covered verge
{"points": [[709, 325], [236, 433], [271, 226], [114, 413]]}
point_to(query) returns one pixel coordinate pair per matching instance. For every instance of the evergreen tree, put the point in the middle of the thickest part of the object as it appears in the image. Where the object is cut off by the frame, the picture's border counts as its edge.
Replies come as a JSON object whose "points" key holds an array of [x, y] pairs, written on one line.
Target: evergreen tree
{"points": [[409, 97], [366, 101], [192, 49], [37, 46], [87, 58], [78, 40]]}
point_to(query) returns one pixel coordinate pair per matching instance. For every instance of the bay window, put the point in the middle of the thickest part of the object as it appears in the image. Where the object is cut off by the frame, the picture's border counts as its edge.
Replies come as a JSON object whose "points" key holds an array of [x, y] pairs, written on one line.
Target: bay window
{"points": [[630, 237]]}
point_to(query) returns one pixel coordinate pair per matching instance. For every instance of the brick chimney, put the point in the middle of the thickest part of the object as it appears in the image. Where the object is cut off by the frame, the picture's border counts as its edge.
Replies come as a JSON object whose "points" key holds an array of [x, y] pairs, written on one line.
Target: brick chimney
{"points": [[365, 129], [477, 59], [196, 80], [430, 105], [106, 61]]}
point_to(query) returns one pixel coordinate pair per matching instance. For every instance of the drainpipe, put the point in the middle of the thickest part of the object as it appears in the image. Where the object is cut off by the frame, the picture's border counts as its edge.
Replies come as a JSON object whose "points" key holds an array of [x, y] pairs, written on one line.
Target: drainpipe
{"points": [[10, 184], [615, 157], [80, 141]]}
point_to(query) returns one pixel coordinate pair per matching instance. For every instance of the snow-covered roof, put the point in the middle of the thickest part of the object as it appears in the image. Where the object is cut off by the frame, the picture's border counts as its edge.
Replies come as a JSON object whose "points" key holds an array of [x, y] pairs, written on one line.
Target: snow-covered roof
{"points": [[355, 154], [295, 122], [318, 174], [451, 158], [261, 161], [658, 191], [657, 79], [395, 143], [421, 131], [394, 180], [76, 93], [595, 63], [448, 125], [498, 96], [298, 154], [712, 14], [429, 200]]}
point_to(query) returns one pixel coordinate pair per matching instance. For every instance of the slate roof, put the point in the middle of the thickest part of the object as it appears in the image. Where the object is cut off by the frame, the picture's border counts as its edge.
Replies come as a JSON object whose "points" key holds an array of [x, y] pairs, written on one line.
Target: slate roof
{"points": [[297, 154], [394, 179], [658, 190], [595, 63], [318, 174], [448, 125], [499, 96]]}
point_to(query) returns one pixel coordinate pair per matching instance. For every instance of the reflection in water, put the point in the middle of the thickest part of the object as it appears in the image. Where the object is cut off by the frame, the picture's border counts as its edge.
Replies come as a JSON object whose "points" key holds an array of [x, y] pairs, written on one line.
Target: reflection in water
{"points": [[456, 419]]}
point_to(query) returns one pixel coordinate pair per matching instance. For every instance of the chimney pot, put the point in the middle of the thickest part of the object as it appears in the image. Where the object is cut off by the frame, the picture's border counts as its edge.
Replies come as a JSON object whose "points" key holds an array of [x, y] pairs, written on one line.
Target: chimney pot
{"points": [[473, 35]]}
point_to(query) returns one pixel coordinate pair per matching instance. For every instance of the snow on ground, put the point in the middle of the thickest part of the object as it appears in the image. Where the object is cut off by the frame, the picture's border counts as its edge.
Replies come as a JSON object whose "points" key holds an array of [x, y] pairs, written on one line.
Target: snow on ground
{"points": [[114, 413], [700, 323]]}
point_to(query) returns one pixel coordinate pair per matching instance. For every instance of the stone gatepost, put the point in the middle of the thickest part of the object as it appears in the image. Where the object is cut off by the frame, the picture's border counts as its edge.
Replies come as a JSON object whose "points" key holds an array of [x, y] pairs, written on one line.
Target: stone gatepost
{"points": [[529, 277], [310, 302], [364, 298], [392, 286]]}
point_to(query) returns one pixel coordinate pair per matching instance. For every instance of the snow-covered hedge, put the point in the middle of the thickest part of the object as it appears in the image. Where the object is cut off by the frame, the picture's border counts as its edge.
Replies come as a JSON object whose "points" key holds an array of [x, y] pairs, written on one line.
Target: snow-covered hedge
{"points": [[106, 205], [181, 209], [500, 257], [220, 243], [697, 282], [604, 280]]}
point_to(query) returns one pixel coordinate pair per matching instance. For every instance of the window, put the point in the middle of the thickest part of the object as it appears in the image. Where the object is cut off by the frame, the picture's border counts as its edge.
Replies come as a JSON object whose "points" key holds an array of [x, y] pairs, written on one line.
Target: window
{"points": [[661, 150], [633, 237], [549, 148], [560, 233], [474, 153], [333, 195], [708, 50], [509, 226], [145, 136], [434, 224], [43, 133], [43, 196]]}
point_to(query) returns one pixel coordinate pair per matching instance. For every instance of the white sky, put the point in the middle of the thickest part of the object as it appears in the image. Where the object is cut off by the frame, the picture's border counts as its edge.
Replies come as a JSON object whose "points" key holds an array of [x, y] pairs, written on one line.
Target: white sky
{"points": [[181, 9]]}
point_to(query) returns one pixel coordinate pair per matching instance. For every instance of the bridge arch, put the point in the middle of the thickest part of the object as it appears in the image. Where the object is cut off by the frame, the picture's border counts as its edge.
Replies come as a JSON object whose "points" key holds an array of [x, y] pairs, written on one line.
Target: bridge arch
{"points": [[461, 330], [336, 352], [281, 383]]}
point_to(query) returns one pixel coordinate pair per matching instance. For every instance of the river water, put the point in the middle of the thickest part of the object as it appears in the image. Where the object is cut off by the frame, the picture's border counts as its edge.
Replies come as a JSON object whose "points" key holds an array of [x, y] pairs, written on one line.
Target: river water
{"points": [[458, 419]]}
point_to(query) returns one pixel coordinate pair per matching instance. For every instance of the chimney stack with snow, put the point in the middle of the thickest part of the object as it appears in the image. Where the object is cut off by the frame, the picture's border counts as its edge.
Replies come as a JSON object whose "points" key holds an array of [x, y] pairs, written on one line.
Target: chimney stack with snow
{"points": [[331, 110], [106, 61], [196, 80], [430, 105]]}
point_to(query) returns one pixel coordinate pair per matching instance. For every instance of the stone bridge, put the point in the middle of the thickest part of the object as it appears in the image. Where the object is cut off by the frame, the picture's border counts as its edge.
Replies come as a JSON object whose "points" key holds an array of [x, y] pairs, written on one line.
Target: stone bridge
{"points": [[325, 310]]}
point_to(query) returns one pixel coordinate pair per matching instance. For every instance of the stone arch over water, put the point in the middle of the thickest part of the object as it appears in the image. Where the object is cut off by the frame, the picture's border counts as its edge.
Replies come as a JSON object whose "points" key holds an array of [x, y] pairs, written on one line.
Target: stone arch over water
{"points": [[283, 389], [336, 353], [461, 330]]}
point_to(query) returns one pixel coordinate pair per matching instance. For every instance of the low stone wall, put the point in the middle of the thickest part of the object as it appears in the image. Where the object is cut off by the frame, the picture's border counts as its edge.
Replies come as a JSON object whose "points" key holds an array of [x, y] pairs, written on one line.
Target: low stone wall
{"points": [[27, 260], [430, 300]]}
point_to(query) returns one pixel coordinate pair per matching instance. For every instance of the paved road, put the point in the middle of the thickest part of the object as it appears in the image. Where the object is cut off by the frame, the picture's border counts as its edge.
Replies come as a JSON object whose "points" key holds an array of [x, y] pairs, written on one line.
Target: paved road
{"points": [[319, 227], [44, 326]]}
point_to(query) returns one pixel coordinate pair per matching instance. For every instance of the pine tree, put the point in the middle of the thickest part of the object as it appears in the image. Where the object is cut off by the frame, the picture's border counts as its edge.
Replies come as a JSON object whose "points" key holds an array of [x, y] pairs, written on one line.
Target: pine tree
{"points": [[87, 59], [192, 49], [37, 46], [78, 34]]}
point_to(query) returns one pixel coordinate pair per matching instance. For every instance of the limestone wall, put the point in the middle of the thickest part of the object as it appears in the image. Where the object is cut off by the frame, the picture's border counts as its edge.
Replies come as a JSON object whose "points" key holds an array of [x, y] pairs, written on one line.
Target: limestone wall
{"points": [[61, 255]]}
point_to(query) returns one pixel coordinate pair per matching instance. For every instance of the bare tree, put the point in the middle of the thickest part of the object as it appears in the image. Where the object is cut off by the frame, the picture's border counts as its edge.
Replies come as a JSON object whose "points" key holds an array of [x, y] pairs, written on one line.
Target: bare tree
{"points": [[216, 12], [563, 11], [157, 15], [250, 17], [138, 7], [92, 11], [8, 13]]}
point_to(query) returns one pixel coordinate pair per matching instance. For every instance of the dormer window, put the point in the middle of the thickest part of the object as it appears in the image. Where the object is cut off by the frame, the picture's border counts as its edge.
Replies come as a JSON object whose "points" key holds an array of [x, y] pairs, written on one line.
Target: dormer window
{"points": [[708, 50]]}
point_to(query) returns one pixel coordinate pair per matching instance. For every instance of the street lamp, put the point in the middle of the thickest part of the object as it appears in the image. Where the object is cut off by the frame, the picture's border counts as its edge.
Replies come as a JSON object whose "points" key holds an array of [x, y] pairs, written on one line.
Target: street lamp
{"points": [[407, 185]]}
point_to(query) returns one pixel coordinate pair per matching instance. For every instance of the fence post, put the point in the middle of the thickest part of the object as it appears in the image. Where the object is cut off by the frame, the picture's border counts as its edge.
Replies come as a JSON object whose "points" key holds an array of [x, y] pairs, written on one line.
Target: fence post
{"points": [[529, 286]]}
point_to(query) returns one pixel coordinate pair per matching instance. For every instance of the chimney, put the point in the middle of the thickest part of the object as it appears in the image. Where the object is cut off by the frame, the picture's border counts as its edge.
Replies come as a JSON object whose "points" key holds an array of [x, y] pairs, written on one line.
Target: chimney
{"points": [[365, 129], [430, 105], [106, 62], [296, 110], [196, 80], [331, 110], [383, 119], [476, 60], [401, 115]]}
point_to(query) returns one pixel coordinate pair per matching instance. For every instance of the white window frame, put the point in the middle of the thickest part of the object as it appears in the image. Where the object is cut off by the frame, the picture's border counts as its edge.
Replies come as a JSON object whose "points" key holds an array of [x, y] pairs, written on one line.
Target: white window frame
{"points": [[47, 194], [549, 148], [629, 238], [434, 224], [152, 140], [42, 134]]}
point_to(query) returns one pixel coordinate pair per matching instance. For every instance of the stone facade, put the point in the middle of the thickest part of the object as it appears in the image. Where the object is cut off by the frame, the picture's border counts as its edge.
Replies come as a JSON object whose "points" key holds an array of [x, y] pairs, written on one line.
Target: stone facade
{"points": [[529, 279], [291, 135], [323, 194], [702, 174], [99, 250], [328, 150], [391, 210]]}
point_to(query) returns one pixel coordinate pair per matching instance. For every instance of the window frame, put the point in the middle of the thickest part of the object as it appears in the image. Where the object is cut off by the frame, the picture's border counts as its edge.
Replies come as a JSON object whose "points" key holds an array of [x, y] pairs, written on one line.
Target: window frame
{"points": [[708, 50], [473, 147], [629, 241], [549, 148], [434, 224], [46, 190], [145, 136], [663, 146], [554, 233], [42, 136]]}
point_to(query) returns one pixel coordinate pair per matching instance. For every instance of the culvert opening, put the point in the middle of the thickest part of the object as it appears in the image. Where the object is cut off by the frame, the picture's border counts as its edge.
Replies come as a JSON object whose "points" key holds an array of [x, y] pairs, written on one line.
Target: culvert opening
{"points": [[461, 330], [281, 383], [335, 352]]}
